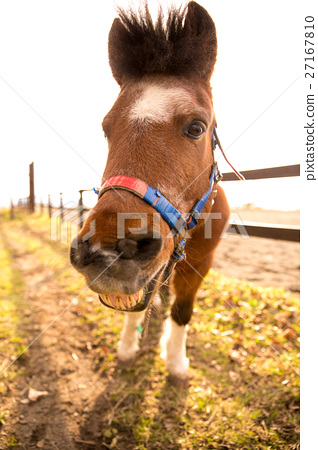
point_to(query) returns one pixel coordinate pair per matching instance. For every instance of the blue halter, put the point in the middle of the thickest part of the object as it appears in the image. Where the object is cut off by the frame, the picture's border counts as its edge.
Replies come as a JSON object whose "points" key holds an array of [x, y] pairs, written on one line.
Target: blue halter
{"points": [[168, 212]]}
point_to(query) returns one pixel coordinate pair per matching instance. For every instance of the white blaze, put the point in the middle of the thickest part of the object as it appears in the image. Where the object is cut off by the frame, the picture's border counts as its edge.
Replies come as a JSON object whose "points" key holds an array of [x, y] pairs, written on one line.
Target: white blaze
{"points": [[160, 104]]}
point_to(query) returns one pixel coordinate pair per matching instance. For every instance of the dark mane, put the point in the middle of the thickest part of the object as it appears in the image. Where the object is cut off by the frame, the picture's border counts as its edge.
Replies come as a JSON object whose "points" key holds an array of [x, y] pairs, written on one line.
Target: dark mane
{"points": [[185, 45]]}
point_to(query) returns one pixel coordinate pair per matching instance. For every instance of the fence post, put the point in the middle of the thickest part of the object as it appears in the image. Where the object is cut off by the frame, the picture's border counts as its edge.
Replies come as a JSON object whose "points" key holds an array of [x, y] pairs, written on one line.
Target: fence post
{"points": [[80, 206], [11, 210], [61, 207], [49, 206], [31, 197]]}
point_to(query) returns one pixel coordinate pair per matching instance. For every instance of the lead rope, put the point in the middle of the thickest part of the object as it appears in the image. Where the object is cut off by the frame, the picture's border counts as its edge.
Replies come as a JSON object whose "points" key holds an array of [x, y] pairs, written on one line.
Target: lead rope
{"points": [[238, 174]]}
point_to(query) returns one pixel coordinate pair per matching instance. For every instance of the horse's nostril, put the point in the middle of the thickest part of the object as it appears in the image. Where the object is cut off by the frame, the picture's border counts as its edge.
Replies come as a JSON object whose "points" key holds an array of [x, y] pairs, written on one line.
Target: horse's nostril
{"points": [[149, 247], [139, 247], [85, 253], [127, 248], [81, 253], [146, 244]]}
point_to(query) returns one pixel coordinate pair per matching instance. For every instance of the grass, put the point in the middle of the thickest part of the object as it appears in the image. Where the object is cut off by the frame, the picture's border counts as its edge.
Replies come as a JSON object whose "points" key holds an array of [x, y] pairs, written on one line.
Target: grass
{"points": [[244, 391], [33, 233], [13, 314], [243, 345]]}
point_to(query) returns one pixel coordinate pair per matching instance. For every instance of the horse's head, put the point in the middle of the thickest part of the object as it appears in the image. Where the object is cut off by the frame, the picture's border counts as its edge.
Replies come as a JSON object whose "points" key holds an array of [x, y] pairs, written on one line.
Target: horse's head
{"points": [[159, 131]]}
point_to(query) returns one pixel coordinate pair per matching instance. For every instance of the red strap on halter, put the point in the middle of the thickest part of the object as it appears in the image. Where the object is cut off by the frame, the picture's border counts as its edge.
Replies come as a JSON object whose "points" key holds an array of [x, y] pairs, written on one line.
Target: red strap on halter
{"points": [[121, 181]]}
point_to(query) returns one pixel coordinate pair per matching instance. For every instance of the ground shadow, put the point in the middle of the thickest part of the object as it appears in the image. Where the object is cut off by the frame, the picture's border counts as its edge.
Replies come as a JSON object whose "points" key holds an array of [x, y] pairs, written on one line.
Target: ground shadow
{"points": [[131, 402]]}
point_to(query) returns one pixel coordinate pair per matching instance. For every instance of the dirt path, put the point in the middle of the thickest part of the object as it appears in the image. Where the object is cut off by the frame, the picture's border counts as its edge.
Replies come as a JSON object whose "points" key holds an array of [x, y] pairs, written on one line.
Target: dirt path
{"points": [[264, 262], [60, 361]]}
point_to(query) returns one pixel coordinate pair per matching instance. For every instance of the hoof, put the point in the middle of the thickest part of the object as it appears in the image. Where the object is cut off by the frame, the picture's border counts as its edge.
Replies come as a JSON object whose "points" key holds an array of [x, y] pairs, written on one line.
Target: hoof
{"points": [[178, 382]]}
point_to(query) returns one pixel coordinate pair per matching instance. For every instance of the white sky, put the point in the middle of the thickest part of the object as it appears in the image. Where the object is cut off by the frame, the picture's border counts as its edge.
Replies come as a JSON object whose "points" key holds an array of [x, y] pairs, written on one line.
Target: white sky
{"points": [[53, 65]]}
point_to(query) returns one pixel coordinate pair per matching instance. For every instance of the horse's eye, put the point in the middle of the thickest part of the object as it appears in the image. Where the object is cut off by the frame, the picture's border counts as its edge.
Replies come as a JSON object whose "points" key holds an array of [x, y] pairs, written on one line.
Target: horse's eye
{"points": [[195, 130]]}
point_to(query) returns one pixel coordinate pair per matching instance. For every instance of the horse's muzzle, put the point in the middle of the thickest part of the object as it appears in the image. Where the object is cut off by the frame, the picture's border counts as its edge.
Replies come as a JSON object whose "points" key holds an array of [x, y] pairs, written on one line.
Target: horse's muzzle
{"points": [[123, 274]]}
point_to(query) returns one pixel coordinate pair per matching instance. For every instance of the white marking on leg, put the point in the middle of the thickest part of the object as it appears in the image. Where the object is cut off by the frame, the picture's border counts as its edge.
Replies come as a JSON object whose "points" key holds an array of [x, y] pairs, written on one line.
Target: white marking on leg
{"points": [[128, 345], [173, 345]]}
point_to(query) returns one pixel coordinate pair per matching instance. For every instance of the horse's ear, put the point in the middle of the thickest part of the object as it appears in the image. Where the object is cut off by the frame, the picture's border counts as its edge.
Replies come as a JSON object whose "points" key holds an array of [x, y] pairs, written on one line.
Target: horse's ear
{"points": [[200, 29], [118, 37]]}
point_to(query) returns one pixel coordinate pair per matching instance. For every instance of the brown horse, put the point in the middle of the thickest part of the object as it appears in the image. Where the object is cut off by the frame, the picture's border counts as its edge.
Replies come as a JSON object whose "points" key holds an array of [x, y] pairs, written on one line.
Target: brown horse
{"points": [[159, 133]]}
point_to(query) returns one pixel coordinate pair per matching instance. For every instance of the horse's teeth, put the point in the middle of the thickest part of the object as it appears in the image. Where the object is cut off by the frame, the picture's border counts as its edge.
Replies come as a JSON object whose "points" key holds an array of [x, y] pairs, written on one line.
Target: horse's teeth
{"points": [[119, 303], [106, 299], [132, 302], [122, 302], [112, 299]]}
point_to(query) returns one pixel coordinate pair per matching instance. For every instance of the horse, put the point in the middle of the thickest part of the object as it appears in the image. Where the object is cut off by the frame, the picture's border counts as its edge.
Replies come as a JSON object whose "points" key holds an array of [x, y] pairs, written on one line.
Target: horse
{"points": [[151, 226]]}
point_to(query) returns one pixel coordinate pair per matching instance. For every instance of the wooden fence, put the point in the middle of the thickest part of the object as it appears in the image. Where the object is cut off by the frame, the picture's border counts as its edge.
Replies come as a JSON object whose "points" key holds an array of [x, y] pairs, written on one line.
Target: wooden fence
{"points": [[265, 230]]}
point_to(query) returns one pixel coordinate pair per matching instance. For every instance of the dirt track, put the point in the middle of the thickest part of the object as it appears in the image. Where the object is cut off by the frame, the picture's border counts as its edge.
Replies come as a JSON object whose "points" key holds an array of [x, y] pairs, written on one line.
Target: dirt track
{"points": [[60, 362], [264, 262]]}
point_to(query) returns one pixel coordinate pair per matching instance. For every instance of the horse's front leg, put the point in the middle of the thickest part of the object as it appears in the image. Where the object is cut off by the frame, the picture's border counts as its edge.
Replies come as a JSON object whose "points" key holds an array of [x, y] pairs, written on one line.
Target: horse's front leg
{"points": [[200, 251], [173, 342], [128, 345], [173, 349]]}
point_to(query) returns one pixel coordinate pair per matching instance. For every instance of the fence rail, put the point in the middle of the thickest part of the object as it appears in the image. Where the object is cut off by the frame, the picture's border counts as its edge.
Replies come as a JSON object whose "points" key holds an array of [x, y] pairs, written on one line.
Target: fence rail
{"points": [[257, 229], [271, 172], [266, 230]]}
